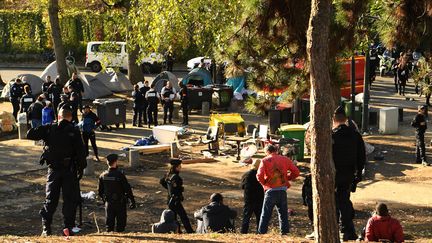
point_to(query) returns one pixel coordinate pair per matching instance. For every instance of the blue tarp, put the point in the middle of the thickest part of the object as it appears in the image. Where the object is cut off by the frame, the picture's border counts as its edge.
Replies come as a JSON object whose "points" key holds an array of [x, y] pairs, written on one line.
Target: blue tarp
{"points": [[237, 83], [198, 74]]}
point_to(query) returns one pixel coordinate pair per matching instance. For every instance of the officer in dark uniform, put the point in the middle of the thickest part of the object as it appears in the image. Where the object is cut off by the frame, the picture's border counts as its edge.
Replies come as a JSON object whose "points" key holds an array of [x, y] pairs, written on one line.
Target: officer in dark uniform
{"points": [[138, 100], [65, 156], [152, 98], [184, 98], [115, 191], [420, 124], [46, 85], [54, 92], [16, 92], [75, 102], [26, 100], [168, 95], [78, 87], [349, 158], [143, 91], [174, 184]]}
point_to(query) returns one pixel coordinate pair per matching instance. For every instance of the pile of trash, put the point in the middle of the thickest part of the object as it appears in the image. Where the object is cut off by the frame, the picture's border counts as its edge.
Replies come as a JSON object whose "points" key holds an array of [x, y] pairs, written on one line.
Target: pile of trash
{"points": [[150, 140], [7, 122]]}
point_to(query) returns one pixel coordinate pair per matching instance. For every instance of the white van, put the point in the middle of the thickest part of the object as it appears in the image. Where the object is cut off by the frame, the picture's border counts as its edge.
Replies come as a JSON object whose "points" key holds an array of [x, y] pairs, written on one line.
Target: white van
{"points": [[114, 54]]}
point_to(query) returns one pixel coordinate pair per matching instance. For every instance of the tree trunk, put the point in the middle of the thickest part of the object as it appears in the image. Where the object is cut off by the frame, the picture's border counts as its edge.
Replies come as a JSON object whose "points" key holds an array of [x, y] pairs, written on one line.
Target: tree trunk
{"points": [[322, 167], [134, 70], [53, 10]]}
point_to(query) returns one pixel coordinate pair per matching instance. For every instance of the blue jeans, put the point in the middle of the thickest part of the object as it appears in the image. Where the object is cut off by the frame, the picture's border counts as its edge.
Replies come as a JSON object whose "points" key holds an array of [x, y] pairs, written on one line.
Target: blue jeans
{"points": [[36, 123], [271, 199]]}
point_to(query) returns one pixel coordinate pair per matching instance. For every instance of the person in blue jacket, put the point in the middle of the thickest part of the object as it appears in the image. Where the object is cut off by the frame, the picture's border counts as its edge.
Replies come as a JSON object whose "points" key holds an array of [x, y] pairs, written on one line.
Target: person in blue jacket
{"points": [[48, 114], [90, 121]]}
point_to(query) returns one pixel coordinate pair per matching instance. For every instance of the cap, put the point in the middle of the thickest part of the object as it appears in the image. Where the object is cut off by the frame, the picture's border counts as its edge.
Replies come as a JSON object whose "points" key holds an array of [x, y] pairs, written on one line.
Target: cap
{"points": [[340, 111], [112, 158], [175, 161]]}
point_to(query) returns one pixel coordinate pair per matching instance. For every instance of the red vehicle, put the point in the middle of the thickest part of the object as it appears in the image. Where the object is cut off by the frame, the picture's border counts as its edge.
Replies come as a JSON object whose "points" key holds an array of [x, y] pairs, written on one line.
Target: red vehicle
{"points": [[346, 75]]}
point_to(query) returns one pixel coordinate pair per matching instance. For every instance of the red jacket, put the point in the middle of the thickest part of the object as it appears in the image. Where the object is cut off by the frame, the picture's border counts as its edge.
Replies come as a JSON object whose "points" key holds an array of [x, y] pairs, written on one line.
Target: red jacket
{"points": [[384, 228], [276, 171]]}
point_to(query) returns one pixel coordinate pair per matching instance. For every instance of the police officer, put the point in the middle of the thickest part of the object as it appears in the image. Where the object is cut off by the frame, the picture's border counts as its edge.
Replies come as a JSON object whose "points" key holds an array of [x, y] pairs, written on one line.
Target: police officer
{"points": [[78, 87], [420, 124], [349, 158], [16, 92], [138, 100], [26, 100], [65, 157], [75, 102], [54, 92], [174, 184], [184, 98], [152, 98], [115, 191], [90, 121], [46, 85], [143, 91], [168, 95]]}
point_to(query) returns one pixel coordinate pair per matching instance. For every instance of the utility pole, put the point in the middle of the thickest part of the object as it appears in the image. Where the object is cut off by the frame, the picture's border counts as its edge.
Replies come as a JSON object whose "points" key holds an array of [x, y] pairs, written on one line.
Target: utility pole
{"points": [[366, 94], [353, 83]]}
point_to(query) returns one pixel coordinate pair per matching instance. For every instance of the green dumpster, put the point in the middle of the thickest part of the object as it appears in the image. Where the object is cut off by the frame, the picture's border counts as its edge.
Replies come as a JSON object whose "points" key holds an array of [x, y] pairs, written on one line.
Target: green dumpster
{"points": [[357, 112], [295, 131]]}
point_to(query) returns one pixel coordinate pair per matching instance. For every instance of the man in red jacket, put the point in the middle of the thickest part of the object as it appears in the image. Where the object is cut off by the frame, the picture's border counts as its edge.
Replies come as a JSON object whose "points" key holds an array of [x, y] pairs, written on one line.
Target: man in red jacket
{"points": [[274, 174], [383, 227]]}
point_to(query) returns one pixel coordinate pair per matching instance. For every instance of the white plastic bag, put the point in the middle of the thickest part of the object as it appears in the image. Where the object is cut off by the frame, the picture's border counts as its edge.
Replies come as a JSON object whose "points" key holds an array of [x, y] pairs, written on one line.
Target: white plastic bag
{"points": [[22, 118]]}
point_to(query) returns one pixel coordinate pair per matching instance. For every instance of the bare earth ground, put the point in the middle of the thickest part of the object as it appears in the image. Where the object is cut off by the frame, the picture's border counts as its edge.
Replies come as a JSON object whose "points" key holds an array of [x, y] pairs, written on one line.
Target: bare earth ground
{"points": [[405, 186]]}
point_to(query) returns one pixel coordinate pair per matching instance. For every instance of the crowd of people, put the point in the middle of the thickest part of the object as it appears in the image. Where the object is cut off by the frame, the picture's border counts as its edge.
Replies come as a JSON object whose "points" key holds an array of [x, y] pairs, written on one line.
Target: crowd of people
{"points": [[146, 100], [265, 185]]}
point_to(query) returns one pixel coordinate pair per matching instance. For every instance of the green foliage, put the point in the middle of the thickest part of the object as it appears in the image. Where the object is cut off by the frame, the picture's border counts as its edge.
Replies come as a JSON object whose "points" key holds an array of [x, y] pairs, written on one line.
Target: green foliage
{"points": [[21, 32], [422, 76]]}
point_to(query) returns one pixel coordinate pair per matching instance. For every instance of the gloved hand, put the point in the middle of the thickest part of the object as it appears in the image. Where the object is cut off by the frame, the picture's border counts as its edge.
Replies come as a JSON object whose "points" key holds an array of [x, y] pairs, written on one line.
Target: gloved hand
{"points": [[133, 205]]}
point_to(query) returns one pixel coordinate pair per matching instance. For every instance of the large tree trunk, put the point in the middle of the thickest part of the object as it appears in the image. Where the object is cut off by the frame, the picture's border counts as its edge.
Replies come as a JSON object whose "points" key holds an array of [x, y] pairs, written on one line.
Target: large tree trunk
{"points": [[322, 167], [53, 10], [134, 70]]}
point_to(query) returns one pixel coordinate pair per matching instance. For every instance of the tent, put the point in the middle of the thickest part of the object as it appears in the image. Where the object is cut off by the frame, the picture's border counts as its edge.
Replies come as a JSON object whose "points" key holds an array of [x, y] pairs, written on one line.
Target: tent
{"points": [[199, 76], [34, 81], [116, 82], [164, 76], [92, 89]]}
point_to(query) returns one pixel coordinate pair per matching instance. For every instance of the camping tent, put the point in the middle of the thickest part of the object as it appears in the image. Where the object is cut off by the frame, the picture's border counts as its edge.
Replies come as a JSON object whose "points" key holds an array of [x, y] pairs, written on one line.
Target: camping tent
{"points": [[164, 76], [92, 89], [98, 88], [116, 82], [34, 81], [198, 75]]}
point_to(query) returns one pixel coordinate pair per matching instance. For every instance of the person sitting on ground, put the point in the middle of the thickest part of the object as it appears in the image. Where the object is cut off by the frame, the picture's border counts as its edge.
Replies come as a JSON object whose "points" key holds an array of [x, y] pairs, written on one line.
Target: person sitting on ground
{"points": [[215, 217], [167, 223], [381, 226], [253, 194]]}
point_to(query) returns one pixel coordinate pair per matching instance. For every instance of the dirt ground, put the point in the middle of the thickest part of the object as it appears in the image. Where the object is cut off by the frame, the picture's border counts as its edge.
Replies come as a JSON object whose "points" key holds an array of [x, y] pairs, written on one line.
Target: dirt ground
{"points": [[397, 180]]}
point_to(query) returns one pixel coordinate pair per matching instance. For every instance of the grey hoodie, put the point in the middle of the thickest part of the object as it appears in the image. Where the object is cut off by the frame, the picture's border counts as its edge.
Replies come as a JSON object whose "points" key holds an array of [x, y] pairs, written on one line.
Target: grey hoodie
{"points": [[167, 223]]}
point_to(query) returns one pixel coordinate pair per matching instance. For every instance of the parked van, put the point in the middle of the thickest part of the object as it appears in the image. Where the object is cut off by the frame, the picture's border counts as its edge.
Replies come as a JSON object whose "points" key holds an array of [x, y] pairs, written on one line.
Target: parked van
{"points": [[114, 54]]}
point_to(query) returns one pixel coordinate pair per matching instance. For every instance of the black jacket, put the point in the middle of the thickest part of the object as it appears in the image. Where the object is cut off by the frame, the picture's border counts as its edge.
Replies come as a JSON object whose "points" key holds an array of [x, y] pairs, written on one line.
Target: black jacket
{"points": [[143, 91], [174, 185], [26, 101], [184, 96], [253, 191], [349, 155], [420, 123], [62, 141], [45, 86], [138, 99], [216, 217], [35, 110], [114, 187], [16, 90]]}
